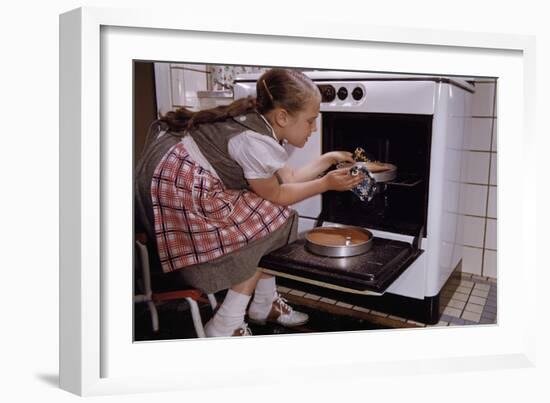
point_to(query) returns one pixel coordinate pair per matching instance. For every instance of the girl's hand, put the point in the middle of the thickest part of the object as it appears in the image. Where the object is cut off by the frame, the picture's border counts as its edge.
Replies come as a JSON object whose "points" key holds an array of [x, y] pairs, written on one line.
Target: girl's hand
{"points": [[341, 180], [334, 157]]}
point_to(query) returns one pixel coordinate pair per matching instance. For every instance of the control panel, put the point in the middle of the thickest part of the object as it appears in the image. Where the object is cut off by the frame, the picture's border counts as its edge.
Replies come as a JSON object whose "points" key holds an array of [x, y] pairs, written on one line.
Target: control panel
{"points": [[352, 93]]}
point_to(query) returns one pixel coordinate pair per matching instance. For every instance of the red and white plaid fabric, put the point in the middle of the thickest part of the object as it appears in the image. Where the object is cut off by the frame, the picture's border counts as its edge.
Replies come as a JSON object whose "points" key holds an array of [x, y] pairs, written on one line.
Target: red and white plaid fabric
{"points": [[198, 220]]}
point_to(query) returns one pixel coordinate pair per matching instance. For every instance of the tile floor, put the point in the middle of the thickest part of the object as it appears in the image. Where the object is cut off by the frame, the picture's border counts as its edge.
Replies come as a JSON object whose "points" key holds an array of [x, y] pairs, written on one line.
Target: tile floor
{"points": [[466, 299]]}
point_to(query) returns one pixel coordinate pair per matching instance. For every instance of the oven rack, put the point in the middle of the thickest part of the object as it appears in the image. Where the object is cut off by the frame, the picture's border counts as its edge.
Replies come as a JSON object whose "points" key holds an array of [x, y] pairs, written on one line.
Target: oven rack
{"points": [[406, 180]]}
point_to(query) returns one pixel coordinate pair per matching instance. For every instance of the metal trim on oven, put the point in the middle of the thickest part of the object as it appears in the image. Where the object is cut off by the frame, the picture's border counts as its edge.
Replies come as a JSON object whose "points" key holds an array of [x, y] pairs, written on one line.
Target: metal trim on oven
{"points": [[433, 79]]}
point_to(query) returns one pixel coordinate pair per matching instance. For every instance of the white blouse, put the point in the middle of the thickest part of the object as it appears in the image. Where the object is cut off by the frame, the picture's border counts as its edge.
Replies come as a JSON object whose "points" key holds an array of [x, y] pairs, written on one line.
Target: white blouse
{"points": [[258, 155]]}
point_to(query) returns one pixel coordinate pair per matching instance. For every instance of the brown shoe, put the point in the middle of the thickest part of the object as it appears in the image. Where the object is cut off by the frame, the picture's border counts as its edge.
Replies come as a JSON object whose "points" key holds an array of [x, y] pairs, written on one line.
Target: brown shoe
{"points": [[282, 314]]}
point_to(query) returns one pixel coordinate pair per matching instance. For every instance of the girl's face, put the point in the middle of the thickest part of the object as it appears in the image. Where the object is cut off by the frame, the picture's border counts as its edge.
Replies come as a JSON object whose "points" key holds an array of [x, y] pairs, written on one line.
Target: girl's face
{"points": [[297, 128]]}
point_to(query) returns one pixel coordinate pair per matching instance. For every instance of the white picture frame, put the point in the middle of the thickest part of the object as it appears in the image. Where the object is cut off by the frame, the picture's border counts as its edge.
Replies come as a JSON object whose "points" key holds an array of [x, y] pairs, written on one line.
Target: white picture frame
{"points": [[96, 355]]}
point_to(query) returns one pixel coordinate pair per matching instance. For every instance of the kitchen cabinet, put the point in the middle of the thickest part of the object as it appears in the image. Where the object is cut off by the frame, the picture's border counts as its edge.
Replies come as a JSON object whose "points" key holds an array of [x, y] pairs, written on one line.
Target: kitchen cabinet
{"points": [[178, 84]]}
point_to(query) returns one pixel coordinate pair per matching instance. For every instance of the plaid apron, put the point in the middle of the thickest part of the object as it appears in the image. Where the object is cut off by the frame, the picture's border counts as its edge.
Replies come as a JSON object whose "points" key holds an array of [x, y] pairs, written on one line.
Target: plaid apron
{"points": [[198, 220]]}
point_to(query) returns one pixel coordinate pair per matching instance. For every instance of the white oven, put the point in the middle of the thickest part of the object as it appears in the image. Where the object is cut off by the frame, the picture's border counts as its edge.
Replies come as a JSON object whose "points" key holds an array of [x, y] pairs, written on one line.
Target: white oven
{"points": [[418, 124]]}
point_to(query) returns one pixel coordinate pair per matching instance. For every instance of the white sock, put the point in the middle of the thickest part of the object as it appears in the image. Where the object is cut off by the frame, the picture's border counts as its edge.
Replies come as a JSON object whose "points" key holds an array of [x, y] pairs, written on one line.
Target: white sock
{"points": [[264, 295], [230, 316]]}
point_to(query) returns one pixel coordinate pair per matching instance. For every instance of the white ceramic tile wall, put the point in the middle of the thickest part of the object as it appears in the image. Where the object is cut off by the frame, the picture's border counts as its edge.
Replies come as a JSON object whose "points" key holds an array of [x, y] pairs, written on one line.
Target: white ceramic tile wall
{"points": [[484, 98], [494, 144], [479, 188], [473, 231], [493, 179], [491, 234], [472, 259], [479, 138], [490, 263], [492, 207], [473, 200], [476, 167]]}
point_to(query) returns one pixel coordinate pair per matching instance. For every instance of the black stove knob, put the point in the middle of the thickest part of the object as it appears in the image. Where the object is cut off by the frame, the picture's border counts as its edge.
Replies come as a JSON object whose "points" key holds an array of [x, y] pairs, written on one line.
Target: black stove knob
{"points": [[328, 92], [342, 93], [357, 93]]}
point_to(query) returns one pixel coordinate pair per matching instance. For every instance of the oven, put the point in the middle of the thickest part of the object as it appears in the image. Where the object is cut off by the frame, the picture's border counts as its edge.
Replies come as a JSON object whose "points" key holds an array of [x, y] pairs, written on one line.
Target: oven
{"points": [[418, 124]]}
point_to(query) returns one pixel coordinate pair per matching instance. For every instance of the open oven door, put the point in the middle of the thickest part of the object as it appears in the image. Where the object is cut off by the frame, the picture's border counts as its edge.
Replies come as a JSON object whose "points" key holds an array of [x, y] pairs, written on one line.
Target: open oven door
{"points": [[370, 273]]}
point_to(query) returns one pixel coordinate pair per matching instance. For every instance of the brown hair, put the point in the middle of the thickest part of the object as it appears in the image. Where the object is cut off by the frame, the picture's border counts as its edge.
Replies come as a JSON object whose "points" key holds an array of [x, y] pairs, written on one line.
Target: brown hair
{"points": [[288, 89]]}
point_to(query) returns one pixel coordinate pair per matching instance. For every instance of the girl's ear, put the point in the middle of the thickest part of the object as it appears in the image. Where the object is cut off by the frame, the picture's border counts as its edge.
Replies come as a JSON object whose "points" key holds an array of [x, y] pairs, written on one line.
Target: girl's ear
{"points": [[281, 117]]}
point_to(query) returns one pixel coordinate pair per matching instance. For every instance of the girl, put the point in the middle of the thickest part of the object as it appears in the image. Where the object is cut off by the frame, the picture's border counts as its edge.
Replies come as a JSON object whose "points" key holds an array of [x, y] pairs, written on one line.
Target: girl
{"points": [[213, 189]]}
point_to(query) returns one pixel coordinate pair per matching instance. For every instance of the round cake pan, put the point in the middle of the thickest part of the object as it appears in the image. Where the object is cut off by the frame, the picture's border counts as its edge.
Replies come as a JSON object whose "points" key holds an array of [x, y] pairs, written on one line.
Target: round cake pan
{"points": [[339, 241], [382, 176]]}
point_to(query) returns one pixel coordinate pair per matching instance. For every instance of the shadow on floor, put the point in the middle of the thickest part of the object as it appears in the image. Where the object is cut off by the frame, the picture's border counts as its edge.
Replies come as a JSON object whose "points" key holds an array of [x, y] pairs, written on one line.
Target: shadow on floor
{"points": [[175, 323]]}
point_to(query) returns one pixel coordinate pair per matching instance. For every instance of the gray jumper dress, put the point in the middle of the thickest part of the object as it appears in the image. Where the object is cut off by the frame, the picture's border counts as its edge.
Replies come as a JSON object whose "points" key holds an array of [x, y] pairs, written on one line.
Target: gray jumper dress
{"points": [[212, 139]]}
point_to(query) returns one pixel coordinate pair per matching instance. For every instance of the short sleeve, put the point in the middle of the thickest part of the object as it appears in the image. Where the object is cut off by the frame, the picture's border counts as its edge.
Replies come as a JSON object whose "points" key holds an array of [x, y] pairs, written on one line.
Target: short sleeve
{"points": [[258, 155]]}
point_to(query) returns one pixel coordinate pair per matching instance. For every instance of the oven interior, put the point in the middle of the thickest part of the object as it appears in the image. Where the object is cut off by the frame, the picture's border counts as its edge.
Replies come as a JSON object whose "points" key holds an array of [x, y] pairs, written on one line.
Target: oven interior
{"points": [[403, 140]]}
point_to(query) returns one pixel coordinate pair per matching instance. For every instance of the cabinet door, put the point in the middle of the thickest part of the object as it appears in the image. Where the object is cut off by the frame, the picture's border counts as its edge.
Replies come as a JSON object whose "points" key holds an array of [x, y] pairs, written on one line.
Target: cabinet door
{"points": [[177, 85], [186, 80]]}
